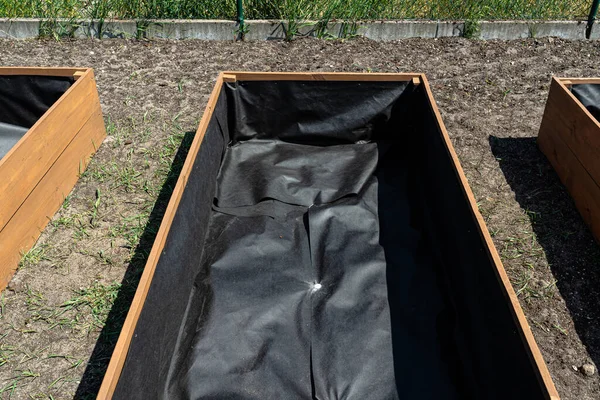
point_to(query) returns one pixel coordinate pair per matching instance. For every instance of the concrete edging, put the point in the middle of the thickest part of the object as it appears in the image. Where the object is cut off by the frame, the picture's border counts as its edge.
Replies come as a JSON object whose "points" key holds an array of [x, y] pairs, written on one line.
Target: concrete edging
{"points": [[24, 28]]}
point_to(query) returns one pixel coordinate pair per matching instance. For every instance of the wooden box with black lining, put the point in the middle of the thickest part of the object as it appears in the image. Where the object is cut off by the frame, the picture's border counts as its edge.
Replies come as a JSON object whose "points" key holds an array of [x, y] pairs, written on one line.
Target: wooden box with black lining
{"points": [[322, 242], [50, 126], [569, 136]]}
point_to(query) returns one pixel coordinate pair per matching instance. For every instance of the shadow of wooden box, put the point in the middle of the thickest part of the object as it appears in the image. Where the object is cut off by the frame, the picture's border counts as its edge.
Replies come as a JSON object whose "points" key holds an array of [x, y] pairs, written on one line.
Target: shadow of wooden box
{"points": [[50, 126], [500, 359], [569, 136]]}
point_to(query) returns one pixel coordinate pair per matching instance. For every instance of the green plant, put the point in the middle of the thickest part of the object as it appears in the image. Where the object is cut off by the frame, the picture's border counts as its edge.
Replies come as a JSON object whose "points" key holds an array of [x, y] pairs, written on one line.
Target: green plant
{"points": [[58, 29], [294, 12], [533, 30], [141, 28], [240, 32], [348, 30], [316, 10], [471, 29]]}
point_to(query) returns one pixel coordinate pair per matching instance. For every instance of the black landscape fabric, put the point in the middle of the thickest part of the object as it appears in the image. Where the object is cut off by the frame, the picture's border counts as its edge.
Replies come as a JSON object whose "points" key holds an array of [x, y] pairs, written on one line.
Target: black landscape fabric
{"points": [[588, 94], [23, 100], [324, 249]]}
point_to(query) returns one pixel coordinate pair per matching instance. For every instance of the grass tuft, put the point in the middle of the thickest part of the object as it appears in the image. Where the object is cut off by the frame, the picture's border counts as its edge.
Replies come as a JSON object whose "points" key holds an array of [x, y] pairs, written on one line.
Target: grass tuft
{"points": [[290, 10]]}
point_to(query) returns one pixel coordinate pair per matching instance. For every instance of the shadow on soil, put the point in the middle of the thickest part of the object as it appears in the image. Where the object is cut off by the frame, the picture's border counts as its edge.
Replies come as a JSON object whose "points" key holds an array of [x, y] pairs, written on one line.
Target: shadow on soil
{"points": [[98, 363], [572, 253]]}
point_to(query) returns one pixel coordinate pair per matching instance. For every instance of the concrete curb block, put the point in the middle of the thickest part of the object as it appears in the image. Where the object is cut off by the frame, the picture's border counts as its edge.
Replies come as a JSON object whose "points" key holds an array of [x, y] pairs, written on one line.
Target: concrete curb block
{"points": [[507, 30], [19, 28], [273, 30]]}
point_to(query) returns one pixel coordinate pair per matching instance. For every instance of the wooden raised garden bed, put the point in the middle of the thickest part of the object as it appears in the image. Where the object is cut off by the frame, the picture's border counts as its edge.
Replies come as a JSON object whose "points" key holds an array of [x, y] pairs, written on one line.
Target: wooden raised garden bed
{"points": [[50, 126], [322, 242], [570, 138]]}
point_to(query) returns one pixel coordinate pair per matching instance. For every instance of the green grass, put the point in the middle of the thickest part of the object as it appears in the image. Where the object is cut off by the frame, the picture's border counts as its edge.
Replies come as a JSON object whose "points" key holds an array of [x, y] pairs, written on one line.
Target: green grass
{"points": [[298, 9]]}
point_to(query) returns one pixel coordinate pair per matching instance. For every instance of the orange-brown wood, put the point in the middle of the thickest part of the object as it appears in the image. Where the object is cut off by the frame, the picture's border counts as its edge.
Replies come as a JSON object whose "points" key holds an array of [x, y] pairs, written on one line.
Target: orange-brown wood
{"points": [[25, 164], [25, 226], [569, 136], [42, 71], [566, 116], [583, 189], [42, 167], [518, 315], [122, 347], [320, 76], [577, 81], [120, 352]]}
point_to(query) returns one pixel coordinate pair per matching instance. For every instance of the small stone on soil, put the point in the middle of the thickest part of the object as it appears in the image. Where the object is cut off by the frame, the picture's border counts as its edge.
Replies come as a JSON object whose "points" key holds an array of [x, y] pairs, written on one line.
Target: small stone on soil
{"points": [[15, 286], [588, 369]]}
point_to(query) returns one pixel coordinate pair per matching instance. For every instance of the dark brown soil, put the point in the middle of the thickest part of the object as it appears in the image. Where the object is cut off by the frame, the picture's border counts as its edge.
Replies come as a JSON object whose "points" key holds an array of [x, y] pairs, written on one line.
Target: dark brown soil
{"points": [[56, 327]]}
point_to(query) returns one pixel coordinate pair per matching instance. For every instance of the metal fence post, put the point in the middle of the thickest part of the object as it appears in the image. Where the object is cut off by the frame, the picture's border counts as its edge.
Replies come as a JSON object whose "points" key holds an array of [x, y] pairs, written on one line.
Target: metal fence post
{"points": [[240, 20], [591, 18]]}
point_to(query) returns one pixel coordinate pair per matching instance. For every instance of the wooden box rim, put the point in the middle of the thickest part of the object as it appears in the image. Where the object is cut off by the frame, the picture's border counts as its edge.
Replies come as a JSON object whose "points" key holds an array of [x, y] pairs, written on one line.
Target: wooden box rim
{"points": [[76, 73], [564, 84]]}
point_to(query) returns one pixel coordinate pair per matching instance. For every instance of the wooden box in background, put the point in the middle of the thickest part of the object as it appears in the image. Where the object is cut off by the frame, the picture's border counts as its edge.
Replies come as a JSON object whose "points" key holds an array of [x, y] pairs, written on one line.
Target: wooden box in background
{"points": [[50, 126], [570, 138]]}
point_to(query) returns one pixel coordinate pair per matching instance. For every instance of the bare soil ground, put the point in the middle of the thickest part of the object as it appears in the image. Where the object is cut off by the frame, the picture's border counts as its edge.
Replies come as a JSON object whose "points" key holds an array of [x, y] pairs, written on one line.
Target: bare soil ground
{"points": [[63, 310]]}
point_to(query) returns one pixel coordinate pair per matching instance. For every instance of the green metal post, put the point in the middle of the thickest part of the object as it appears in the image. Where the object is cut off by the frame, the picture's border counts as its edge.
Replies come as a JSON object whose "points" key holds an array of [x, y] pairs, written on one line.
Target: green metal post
{"points": [[591, 18], [240, 20]]}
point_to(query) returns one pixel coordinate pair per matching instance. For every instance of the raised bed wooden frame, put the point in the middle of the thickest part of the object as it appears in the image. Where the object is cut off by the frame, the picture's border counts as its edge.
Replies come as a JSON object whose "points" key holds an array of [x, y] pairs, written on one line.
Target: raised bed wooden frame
{"points": [[570, 138], [43, 166], [121, 349]]}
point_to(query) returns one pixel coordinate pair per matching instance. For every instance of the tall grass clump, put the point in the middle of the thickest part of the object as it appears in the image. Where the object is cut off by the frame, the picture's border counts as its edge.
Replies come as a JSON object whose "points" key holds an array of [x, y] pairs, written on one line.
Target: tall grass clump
{"points": [[349, 10]]}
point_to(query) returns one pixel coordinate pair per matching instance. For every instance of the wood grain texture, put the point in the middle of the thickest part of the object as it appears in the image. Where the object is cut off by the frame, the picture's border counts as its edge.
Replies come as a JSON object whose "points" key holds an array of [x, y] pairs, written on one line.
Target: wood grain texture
{"points": [[25, 226], [119, 355], [120, 352], [518, 315], [578, 81], [583, 189], [42, 168], [569, 136], [41, 71], [27, 162], [566, 117], [317, 76]]}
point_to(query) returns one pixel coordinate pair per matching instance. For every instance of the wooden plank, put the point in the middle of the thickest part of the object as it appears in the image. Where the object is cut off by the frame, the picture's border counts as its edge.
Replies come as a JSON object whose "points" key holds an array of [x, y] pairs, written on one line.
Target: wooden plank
{"points": [[329, 76], [519, 316], [25, 164], [567, 118], [582, 186], [578, 81], [119, 355], [41, 71], [25, 226], [583, 189]]}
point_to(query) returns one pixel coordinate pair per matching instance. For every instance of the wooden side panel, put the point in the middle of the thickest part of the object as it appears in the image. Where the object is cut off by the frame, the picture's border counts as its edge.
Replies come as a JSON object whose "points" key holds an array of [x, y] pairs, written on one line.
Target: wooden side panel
{"points": [[567, 118], [316, 76], [519, 316], [25, 226], [41, 71], [113, 372], [577, 81], [26, 163], [583, 188]]}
